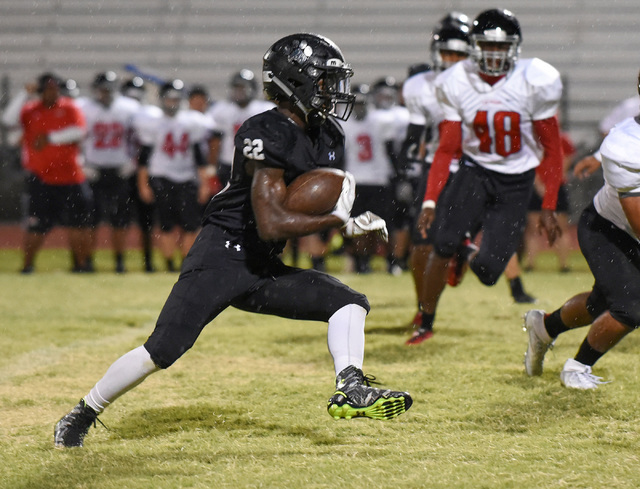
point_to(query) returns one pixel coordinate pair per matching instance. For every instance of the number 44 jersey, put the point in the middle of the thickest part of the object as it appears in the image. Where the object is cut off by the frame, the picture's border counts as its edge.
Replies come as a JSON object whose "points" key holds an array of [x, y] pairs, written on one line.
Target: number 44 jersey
{"points": [[497, 120]]}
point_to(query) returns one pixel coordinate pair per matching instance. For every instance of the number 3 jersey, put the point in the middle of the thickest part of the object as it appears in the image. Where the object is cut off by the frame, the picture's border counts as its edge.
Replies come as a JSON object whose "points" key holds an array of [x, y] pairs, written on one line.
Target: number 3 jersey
{"points": [[109, 129], [273, 140], [497, 120], [171, 140]]}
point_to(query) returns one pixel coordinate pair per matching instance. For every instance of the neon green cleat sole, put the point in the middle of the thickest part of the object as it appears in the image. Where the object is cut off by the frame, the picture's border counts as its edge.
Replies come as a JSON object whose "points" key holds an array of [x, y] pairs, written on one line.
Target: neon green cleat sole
{"points": [[383, 408]]}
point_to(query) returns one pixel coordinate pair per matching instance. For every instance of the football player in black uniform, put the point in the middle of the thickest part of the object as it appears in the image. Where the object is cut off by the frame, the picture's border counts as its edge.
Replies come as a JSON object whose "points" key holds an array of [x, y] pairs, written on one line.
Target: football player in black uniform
{"points": [[235, 259]]}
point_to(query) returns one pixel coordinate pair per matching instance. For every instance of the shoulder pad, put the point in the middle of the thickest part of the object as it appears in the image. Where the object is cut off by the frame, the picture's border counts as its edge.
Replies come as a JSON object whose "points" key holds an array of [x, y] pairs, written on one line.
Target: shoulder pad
{"points": [[538, 72]]}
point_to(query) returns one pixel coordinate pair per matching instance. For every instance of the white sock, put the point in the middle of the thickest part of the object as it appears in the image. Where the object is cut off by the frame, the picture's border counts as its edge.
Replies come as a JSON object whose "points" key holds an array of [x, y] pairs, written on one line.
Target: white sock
{"points": [[345, 337], [123, 375]]}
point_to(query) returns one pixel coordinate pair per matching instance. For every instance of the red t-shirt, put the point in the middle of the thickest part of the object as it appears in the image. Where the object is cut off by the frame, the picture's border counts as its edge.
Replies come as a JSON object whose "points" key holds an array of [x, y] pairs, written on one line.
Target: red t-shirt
{"points": [[55, 164]]}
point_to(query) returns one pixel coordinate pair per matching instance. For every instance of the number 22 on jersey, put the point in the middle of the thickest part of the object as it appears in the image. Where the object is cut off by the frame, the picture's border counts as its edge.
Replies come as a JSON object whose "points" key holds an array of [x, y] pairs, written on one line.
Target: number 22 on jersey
{"points": [[506, 130]]}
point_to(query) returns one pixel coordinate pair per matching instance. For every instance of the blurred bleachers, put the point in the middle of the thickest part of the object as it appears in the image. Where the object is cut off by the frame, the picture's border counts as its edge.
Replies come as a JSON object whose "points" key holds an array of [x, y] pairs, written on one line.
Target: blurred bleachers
{"points": [[593, 43]]}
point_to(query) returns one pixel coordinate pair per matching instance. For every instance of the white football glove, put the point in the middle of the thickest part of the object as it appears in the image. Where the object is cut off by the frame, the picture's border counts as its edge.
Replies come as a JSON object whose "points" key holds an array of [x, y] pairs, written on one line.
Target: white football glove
{"points": [[347, 196], [366, 223]]}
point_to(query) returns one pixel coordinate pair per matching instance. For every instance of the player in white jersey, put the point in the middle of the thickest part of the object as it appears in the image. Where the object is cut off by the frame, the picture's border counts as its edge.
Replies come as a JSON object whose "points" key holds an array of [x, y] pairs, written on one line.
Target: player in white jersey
{"points": [[228, 115], [108, 158], [609, 238], [500, 112], [369, 156], [449, 44], [172, 171]]}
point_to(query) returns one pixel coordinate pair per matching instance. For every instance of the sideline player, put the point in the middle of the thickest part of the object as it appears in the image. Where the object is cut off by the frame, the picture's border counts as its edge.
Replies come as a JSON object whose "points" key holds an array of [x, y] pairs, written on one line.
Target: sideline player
{"points": [[53, 128], [369, 157], [235, 261], [500, 112], [608, 234], [172, 171], [108, 161]]}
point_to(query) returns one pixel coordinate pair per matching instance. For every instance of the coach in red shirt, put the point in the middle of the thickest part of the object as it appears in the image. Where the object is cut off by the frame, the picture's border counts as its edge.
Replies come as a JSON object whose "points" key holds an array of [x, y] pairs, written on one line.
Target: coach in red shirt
{"points": [[53, 128]]}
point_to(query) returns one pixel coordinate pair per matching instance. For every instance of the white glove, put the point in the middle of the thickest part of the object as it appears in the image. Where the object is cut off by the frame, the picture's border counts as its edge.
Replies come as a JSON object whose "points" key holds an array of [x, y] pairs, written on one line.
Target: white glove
{"points": [[366, 223], [347, 196]]}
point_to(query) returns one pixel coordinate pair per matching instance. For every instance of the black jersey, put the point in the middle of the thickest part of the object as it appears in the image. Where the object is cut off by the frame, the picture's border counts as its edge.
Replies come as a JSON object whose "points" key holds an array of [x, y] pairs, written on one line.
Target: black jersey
{"points": [[275, 141]]}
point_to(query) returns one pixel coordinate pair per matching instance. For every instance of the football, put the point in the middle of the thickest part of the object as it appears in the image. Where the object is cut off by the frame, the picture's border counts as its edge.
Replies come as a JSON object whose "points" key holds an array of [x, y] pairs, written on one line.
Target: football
{"points": [[315, 192]]}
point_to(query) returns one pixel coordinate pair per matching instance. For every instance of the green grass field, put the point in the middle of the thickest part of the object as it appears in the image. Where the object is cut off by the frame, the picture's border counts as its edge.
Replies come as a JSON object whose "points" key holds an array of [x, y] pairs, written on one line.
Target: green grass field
{"points": [[246, 407]]}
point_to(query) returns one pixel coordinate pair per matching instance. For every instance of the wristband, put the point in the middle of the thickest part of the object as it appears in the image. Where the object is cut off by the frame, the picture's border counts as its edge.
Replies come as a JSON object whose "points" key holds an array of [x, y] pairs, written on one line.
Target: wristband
{"points": [[429, 204]]}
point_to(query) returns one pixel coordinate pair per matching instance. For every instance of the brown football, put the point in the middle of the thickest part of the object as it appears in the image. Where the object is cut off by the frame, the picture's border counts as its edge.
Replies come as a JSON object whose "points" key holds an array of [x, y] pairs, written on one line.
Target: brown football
{"points": [[315, 192]]}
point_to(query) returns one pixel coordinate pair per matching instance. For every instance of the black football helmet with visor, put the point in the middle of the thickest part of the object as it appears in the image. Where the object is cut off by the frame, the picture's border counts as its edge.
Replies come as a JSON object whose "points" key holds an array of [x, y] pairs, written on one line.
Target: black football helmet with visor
{"points": [[495, 41], [171, 95], [309, 70], [451, 33]]}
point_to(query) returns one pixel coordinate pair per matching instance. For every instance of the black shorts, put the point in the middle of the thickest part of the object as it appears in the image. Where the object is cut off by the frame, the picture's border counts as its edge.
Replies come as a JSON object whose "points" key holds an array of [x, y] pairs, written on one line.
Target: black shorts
{"points": [[176, 204], [476, 196], [51, 205], [218, 272], [535, 204], [112, 198], [614, 259]]}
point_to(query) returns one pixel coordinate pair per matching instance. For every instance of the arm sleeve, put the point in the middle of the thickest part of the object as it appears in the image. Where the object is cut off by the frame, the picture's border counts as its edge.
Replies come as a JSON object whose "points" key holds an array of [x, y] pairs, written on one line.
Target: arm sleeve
{"points": [[198, 156], [410, 149], [450, 145], [144, 153], [550, 171]]}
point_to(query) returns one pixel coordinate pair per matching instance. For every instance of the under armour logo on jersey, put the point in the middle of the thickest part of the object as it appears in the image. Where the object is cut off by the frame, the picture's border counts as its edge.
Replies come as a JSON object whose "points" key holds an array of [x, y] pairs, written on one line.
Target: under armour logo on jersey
{"points": [[332, 155]]}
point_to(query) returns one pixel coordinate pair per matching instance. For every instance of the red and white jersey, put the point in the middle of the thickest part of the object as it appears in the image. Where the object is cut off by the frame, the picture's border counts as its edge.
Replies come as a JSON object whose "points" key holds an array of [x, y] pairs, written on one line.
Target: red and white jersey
{"points": [[620, 152], [227, 119], [497, 120], [366, 156], [171, 140], [109, 129]]}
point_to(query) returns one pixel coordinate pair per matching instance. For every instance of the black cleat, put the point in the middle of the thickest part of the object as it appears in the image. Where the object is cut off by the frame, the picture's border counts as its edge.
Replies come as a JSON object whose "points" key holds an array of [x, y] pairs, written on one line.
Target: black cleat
{"points": [[74, 426]]}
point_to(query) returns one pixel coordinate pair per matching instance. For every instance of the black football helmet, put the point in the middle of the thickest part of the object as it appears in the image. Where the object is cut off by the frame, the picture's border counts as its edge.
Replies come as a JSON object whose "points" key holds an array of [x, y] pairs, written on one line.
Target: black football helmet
{"points": [[104, 85], [70, 88], [385, 92], [500, 28], [454, 19], [171, 95], [134, 88], [243, 87], [450, 34], [309, 70]]}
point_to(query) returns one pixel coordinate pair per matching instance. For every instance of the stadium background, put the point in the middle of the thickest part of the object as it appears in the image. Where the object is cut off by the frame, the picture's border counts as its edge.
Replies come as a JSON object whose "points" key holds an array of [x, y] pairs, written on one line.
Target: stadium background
{"points": [[591, 42]]}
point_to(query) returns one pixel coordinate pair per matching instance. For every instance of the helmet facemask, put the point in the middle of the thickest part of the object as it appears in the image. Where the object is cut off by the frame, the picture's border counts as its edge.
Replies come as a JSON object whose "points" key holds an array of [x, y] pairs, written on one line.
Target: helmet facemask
{"points": [[333, 90], [495, 54]]}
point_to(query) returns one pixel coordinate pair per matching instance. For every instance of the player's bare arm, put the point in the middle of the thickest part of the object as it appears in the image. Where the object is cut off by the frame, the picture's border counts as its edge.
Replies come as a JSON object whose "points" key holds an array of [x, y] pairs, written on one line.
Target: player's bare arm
{"points": [[274, 221]]}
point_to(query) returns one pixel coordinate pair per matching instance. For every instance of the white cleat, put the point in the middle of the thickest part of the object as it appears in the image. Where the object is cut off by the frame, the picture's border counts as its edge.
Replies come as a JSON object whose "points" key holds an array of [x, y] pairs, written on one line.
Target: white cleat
{"points": [[576, 375], [539, 342]]}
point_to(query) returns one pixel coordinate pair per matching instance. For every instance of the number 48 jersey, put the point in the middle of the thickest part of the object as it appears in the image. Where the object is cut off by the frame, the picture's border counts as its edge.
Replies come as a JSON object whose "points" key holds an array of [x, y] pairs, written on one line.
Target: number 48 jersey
{"points": [[497, 120]]}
